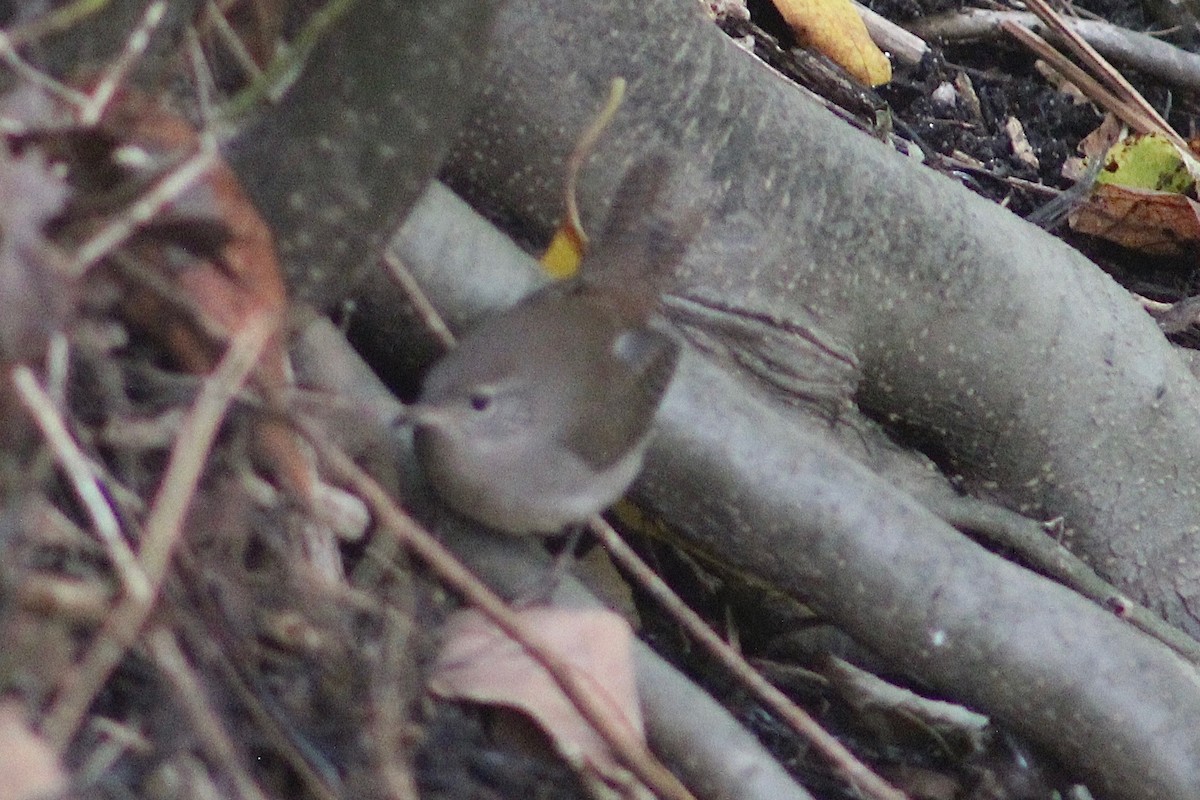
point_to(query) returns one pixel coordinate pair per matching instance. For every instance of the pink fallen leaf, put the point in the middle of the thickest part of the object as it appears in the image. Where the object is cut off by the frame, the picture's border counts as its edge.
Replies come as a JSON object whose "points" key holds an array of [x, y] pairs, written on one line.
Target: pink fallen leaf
{"points": [[29, 765], [479, 662]]}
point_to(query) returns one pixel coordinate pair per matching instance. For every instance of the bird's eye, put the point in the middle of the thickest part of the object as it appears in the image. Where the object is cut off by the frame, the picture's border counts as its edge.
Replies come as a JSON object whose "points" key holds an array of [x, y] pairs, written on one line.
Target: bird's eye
{"points": [[480, 400]]}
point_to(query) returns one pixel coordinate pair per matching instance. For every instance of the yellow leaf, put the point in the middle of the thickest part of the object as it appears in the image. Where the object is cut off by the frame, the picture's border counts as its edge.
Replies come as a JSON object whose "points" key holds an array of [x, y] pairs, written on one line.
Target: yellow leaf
{"points": [[834, 28], [562, 256], [1146, 162]]}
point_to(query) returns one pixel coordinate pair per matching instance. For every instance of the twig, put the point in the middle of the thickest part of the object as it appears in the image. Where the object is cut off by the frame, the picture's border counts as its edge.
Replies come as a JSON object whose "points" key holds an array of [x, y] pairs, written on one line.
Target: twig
{"points": [[189, 693], [115, 741], [163, 529], [135, 46], [58, 367], [73, 600], [402, 275], [83, 479], [632, 751], [35, 76], [214, 16], [854, 771], [1091, 87], [124, 225], [900, 43], [581, 152], [60, 19], [1103, 70], [1140, 51], [387, 724], [283, 69], [202, 79]]}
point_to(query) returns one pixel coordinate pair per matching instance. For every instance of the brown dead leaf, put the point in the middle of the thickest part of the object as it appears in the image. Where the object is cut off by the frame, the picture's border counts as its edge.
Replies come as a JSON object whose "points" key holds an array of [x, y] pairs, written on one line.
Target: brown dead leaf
{"points": [[210, 252], [29, 765], [835, 28], [1158, 223], [479, 662], [234, 275]]}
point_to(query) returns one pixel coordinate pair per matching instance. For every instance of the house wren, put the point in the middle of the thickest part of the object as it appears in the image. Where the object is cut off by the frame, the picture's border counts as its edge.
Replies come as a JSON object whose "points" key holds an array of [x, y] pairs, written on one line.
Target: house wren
{"points": [[541, 416]]}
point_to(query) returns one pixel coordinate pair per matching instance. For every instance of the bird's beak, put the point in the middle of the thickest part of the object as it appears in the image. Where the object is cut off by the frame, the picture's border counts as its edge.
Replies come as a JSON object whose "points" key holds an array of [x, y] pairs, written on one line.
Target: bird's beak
{"points": [[418, 414], [408, 415]]}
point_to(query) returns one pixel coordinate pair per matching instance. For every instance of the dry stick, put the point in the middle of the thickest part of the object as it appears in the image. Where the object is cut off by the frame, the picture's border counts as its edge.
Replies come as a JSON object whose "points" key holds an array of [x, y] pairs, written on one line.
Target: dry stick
{"points": [[631, 750], [163, 528], [903, 45], [1102, 69], [583, 149], [32, 74], [386, 727], [83, 479], [135, 46], [1101, 96], [229, 37], [76, 602], [57, 20], [858, 774], [115, 233], [402, 275], [169, 658], [58, 368], [1140, 51], [202, 79]]}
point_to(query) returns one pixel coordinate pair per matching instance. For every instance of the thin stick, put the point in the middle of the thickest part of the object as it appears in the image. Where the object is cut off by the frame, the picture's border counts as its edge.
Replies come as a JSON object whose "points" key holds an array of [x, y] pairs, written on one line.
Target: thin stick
{"points": [[1129, 114], [202, 79], [228, 36], [83, 479], [854, 771], [583, 149], [28, 72], [58, 20], [1102, 69], [124, 225], [282, 71], [632, 751], [163, 529], [135, 46], [429, 315], [1154, 57], [190, 694]]}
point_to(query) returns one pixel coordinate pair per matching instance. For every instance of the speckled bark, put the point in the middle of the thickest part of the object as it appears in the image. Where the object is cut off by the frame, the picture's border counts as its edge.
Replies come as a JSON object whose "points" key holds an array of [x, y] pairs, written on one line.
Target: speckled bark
{"points": [[768, 490], [335, 166], [1043, 382]]}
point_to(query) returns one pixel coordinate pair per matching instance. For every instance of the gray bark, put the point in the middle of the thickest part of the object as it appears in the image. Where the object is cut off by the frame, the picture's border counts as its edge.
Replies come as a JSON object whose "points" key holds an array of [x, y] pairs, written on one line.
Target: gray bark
{"points": [[844, 267], [766, 490]]}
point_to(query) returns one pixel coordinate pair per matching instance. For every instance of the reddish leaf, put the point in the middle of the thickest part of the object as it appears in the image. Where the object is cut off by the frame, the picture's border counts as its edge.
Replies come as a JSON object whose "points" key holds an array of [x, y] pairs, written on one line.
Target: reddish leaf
{"points": [[479, 662], [1160, 223], [29, 765]]}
